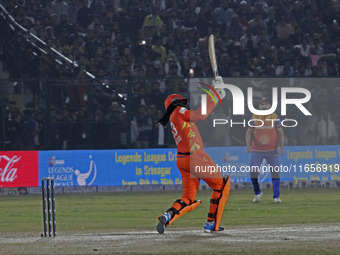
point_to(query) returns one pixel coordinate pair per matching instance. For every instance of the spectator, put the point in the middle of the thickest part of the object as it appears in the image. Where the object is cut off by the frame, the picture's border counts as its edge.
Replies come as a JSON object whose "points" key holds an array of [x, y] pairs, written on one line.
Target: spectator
{"points": [[114, 124], [141, 98], [144, 124], [92, 44], [124, 129], [314, 57], [97, 6], [271, 24], [296, 10], [297, 36], [58, 7], [40, 135], [309, 22], [234, 28], [257, 22], [156, 96], [262, 40], [29, 132], [15, 131], [84, 14], [223, 14], [244, 21], [283, 30], [336, 119], [171, 61], [158, 132], [72, 11], [317, 46], [79, 134], [49, 33], [244, 9], [64, 122], [305, 50], [100, 130], [153, 20], [159, 48], [183, 89], [281, 9], [326, 130], [63, 25], [247, 41], [96, 25]]}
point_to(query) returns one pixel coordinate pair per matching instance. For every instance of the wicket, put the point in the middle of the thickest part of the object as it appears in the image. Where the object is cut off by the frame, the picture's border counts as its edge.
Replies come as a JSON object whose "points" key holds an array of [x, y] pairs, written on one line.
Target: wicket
{"points": [[48, 198]]}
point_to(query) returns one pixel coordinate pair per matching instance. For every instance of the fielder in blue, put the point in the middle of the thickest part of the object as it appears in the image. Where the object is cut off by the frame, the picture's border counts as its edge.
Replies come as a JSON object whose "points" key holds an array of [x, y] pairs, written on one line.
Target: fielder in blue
{"points": [[264, 133]]}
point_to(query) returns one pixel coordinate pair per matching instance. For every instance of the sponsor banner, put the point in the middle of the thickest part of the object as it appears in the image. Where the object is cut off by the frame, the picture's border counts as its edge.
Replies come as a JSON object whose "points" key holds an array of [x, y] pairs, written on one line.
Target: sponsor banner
{"points": [[299, 163], [156, 166], [18, 169], [110, 167]]}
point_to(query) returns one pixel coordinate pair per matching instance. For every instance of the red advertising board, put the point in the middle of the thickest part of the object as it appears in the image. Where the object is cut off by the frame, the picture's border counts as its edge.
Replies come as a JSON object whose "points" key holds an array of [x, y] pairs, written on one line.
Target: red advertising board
{"points": [[19, 169]]}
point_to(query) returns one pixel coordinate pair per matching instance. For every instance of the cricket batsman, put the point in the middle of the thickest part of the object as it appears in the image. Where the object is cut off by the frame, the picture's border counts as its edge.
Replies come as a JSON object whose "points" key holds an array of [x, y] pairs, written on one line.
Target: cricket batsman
{"points": [[265, 132], [190, 153]]}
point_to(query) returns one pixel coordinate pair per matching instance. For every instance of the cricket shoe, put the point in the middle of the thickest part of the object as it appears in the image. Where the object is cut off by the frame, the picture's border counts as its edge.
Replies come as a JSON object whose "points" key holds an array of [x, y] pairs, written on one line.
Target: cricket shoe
{"points": [[257, 198], [209, 227], [163, 221], [277, 200]]}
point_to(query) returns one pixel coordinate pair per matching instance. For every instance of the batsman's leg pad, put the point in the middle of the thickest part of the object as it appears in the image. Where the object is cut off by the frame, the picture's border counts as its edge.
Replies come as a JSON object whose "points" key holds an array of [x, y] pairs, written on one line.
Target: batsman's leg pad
{"points": [[184, 210], [222, 201]]}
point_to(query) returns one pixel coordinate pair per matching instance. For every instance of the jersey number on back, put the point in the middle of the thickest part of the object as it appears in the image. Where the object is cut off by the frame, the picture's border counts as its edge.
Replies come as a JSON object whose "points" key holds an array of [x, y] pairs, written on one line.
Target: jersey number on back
{"points": [[177, 137]]}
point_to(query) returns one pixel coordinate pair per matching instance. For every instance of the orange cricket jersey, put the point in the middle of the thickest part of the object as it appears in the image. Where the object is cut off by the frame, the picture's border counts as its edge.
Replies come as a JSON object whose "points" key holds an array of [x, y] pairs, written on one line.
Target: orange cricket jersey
{"points": [[265, 133], [184, 129]]}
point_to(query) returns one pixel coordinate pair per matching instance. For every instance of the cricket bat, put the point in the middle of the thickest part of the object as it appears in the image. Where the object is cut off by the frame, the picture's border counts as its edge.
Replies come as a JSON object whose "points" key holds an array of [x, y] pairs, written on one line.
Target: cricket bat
{"points": [[212, 55]]}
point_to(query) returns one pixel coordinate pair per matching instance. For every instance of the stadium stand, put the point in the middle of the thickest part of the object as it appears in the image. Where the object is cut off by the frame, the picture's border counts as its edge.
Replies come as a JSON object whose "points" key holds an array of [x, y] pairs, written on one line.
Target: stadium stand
{"points": [[155, 46]]}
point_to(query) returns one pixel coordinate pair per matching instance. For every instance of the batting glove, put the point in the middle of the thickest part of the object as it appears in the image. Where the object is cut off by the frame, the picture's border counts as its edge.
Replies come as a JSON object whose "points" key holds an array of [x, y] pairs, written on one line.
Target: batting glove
{"points": [[221, 93], [217, 81]]}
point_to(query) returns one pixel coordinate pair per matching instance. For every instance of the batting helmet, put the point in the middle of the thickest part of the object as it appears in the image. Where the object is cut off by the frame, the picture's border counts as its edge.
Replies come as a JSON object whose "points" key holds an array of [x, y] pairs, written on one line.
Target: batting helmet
{"points": [[174, 98]]}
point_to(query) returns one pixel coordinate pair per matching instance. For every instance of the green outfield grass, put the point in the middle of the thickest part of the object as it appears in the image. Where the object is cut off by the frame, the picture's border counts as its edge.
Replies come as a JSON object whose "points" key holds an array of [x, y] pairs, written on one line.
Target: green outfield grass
{"points": [[108, 212]]}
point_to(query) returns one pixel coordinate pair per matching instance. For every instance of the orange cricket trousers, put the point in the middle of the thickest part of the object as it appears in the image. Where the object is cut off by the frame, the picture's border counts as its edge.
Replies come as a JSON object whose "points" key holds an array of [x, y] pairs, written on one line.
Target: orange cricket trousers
{"points": [[191, 179]]}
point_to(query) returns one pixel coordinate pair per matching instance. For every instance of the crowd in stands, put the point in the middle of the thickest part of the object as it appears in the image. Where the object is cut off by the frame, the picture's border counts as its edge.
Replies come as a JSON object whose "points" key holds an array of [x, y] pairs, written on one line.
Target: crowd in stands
{"points": [[160, 44]]}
